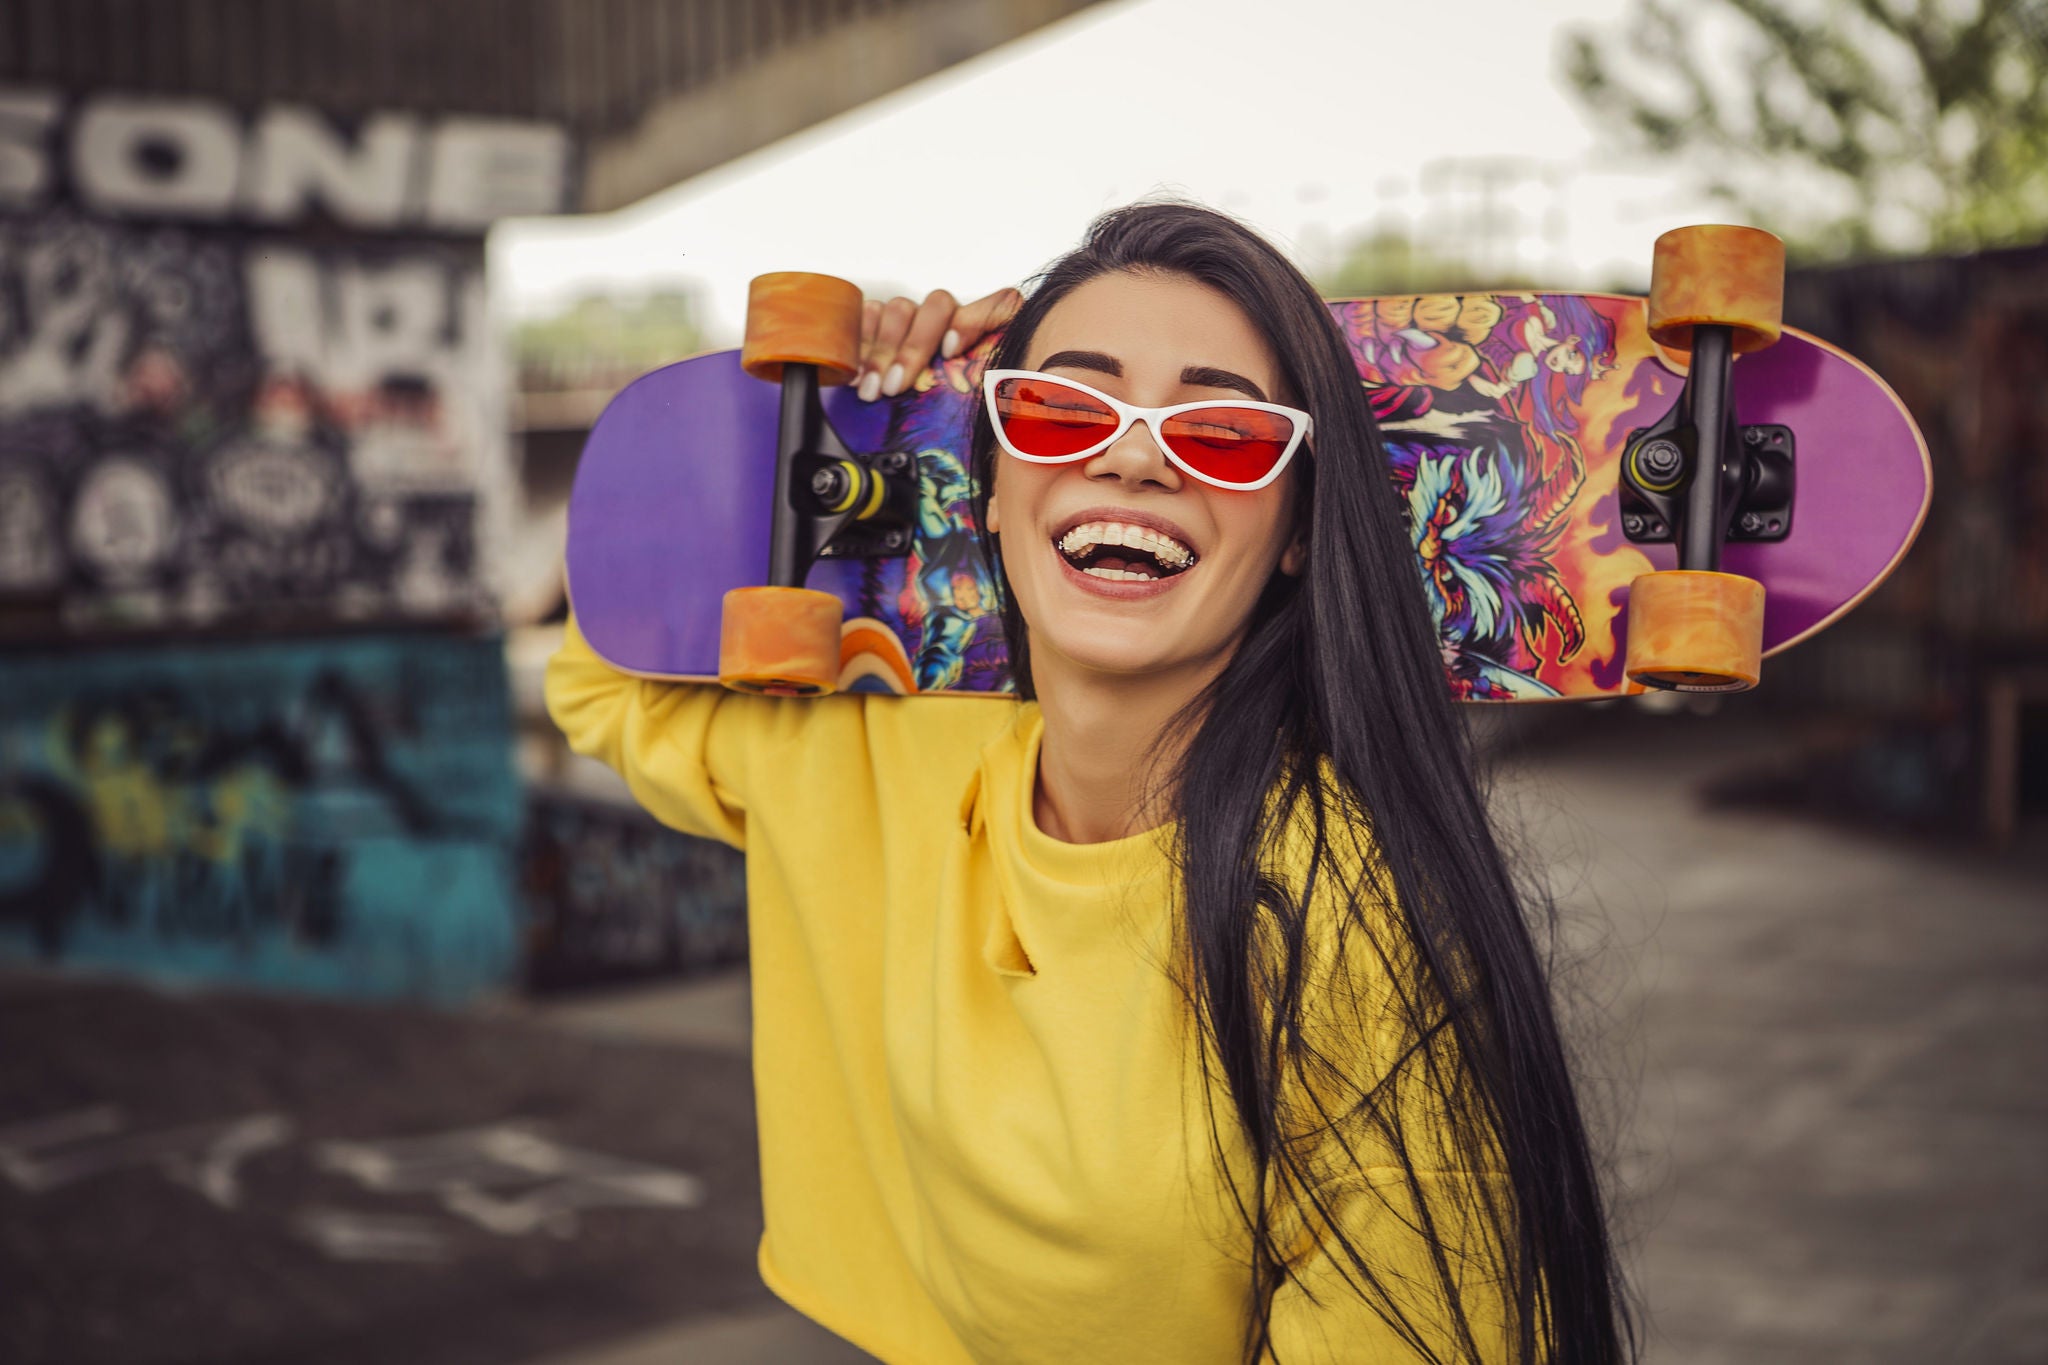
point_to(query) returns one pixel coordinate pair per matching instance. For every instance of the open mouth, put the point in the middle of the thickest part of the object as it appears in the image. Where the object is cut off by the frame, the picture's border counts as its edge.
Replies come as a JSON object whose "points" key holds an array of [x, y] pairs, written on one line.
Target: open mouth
{"points": [[1120, 551]]}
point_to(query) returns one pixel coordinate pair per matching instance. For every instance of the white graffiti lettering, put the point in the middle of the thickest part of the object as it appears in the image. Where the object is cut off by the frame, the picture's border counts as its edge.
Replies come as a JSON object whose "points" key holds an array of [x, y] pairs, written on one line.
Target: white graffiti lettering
{"points": [[123, 522], [154, 157], [486, 169], [389, 348], [25, 121], [275, 488], [175, 158], [69, 343], [300, 160]]}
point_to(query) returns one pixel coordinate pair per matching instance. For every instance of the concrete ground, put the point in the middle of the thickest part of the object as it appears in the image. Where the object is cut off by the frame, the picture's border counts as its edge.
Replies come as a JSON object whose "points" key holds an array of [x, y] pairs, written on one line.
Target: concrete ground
{"points": [[709, 1013], [1837, 1145], [191, 1179]]}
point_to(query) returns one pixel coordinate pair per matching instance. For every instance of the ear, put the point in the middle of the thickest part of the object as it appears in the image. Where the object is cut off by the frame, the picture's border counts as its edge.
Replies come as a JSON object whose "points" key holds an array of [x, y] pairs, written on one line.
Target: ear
{"points": [[993, 523], [1295, 557]]}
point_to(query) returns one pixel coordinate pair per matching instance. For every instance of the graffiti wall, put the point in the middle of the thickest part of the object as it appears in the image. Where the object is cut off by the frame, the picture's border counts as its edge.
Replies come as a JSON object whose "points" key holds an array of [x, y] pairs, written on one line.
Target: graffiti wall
{"points": [[614, 894], [335, 816], [245, 370]]}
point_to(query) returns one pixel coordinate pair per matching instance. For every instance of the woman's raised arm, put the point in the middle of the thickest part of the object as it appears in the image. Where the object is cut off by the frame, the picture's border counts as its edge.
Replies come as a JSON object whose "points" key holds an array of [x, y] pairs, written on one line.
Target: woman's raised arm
{"points": [[682, 747]]}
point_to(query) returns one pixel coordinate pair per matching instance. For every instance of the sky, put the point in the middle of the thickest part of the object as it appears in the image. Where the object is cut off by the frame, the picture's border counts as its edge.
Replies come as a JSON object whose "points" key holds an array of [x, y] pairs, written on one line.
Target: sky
{"points": [[1315, 120]]}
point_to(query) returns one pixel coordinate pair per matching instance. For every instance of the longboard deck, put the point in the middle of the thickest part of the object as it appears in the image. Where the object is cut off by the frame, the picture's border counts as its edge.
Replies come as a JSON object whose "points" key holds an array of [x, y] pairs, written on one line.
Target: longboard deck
{"points": [[1505, 417]]}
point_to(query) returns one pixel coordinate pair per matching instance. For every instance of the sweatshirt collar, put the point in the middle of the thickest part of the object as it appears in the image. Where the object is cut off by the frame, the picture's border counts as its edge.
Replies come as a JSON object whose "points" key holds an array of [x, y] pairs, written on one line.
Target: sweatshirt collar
{"points": [[998, 805]]}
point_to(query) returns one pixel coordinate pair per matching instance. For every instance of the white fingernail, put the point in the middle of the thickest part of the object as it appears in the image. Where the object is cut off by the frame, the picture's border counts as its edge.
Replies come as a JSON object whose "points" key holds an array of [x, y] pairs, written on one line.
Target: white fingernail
{"points": [[950, 345], [870, 387], [893, 385]]}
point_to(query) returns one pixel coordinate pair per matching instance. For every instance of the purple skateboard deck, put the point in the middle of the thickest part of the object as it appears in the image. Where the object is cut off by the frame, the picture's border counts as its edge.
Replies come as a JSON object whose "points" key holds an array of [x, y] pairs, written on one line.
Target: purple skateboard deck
{"points": [[1505, 418]]}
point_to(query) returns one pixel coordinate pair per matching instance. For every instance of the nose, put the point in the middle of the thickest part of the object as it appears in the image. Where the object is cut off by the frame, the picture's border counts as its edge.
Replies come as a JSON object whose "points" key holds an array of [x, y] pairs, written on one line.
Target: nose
{"points": [[1135, 458]]}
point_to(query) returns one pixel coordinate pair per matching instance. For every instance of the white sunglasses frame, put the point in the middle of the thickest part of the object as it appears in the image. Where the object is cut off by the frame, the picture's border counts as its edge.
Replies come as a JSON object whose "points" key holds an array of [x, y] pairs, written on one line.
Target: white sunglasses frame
{"points": [[1128, 414]]}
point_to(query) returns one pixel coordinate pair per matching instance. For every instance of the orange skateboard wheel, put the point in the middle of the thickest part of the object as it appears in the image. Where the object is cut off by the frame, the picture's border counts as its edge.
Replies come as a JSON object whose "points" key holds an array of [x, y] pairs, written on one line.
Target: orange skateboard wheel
{"points": [[1717, 274], [1691, 631], [799, 318], [779, 642]]}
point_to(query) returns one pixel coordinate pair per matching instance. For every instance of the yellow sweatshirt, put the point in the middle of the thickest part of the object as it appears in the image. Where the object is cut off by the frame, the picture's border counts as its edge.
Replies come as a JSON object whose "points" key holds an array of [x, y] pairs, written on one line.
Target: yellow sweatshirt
{"points": [[981, 1134]]}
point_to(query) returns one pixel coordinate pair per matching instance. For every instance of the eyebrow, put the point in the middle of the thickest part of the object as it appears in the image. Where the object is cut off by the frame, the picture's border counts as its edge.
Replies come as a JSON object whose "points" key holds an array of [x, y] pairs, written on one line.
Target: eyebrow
{"points": [[1202, 376]]}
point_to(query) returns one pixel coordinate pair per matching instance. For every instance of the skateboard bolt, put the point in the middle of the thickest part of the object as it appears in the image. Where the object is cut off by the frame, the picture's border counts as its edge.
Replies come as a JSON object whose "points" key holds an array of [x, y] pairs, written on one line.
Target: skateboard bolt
{"points": [[828, 482], [1660, 461], [1632, 524], [1752, 436], [894, 462], [1751, 523], [896, 539]]}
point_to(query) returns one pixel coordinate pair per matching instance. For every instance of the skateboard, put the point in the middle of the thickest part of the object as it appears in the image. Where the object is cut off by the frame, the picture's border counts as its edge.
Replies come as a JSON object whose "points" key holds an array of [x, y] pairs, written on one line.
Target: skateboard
{"points": [[1548, 449]]}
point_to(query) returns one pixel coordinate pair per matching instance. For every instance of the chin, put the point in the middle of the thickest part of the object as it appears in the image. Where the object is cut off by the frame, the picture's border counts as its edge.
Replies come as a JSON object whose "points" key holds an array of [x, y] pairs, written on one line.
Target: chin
{"points": [[1114, 649], [1116, 659], [1130, 639]]}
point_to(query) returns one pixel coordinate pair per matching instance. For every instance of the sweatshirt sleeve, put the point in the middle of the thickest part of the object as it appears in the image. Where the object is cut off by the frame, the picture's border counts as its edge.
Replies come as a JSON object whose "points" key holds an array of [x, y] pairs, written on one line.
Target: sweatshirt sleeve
{"points": [[682, 747]]}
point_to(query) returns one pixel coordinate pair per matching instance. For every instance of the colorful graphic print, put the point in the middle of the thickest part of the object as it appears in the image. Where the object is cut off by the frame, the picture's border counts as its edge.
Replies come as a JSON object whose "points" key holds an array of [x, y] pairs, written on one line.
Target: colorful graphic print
{"points": [[941, 602], [1490, 408]]}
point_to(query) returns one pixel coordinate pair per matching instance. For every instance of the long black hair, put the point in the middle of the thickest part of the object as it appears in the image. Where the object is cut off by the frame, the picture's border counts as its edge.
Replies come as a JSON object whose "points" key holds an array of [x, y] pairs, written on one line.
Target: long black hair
{"points": [[1387, 1007]]}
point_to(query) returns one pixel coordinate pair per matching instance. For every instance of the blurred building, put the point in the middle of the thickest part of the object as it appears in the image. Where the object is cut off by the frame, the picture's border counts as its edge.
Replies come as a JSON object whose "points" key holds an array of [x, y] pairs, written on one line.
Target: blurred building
{"points": [[248, 389]]}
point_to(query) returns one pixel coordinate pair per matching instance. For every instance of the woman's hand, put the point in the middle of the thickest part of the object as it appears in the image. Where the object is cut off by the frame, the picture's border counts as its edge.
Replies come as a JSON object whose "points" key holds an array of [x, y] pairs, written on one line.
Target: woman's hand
{"points": [[899, 338]]}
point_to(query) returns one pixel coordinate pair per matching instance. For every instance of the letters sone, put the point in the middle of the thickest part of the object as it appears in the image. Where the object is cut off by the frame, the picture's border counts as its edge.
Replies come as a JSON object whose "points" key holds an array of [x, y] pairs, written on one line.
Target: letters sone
{"points": [[130, 156]]}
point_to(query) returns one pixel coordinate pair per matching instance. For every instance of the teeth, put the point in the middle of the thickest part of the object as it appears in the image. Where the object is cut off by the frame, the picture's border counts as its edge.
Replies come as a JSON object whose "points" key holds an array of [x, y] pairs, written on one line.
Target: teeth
{"points": [[1119, 573], [1091, 534]]}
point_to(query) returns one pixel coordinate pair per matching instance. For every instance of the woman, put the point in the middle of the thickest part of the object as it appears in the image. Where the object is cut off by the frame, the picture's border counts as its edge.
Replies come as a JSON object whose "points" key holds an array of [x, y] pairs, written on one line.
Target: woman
{"points": [[1185, 1012]]}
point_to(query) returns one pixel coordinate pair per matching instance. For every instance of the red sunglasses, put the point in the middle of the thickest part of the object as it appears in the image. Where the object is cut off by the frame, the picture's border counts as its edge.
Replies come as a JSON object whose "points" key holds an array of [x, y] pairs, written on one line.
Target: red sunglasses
{"points": [[1049, 420]]}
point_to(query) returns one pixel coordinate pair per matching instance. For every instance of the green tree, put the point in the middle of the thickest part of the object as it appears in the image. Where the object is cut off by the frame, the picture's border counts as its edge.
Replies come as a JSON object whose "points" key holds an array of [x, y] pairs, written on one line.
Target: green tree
{"points": [[1389, 261], [1849, 127], [601, 341]]}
